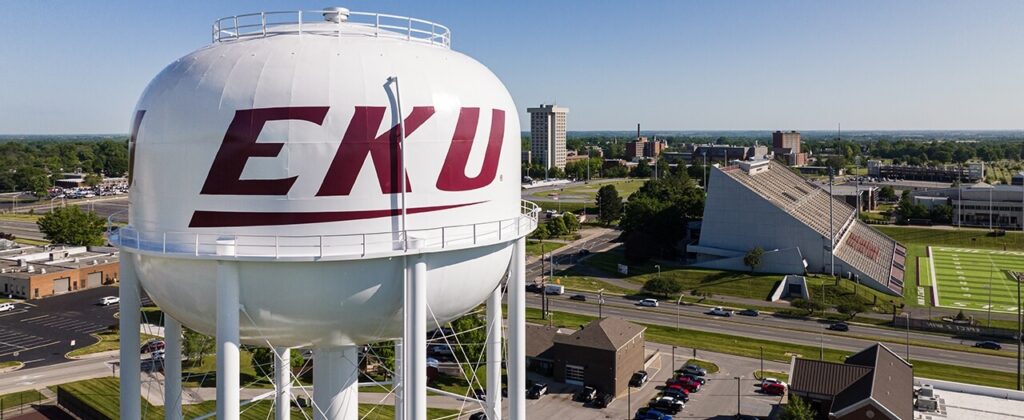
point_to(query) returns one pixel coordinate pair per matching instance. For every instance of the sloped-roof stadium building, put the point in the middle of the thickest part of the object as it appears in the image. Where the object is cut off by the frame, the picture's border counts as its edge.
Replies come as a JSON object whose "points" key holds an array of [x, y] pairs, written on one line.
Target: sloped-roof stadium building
{"points": [[764, 204]]}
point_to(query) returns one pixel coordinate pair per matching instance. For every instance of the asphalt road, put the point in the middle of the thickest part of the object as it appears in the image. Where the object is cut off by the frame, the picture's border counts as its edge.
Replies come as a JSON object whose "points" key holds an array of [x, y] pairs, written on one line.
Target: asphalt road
{"points": [[40, 332], [810, 333]]}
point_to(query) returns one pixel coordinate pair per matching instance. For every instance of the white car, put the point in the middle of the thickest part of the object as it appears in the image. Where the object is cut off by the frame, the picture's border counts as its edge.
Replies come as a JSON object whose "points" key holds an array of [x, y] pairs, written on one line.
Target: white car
{"points": [[109, 300], [719, 311], [769, 381], [4, 307], [648, 302]]}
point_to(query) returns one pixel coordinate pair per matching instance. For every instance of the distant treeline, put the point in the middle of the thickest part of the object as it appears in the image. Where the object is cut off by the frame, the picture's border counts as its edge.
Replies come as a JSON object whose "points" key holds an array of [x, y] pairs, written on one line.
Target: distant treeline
{"points": [[34, 164]]}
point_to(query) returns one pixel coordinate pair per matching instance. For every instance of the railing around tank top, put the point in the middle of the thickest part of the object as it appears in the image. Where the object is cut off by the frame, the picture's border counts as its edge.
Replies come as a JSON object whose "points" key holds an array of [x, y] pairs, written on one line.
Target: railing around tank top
{"points": [[256, 25], [328, 246]]}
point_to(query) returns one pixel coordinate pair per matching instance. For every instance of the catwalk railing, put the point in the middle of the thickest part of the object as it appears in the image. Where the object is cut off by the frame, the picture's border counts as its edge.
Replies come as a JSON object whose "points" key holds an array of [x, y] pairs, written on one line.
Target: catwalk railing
{"points": [[220, 245], [258, 25]]}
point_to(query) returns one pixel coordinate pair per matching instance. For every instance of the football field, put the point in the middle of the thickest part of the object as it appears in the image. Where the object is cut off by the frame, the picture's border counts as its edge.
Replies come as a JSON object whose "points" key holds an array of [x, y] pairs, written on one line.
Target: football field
{"points": [[974, 278]]}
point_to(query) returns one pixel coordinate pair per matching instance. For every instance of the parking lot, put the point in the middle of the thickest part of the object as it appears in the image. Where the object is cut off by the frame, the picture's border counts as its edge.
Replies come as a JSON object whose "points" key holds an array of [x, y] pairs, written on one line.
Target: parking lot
{"points": [[40, 332], [717, 399]]}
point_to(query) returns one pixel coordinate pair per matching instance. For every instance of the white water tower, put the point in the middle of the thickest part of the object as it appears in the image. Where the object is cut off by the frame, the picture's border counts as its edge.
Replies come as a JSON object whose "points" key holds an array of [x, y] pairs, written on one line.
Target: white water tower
{"points": [[323, 179]]}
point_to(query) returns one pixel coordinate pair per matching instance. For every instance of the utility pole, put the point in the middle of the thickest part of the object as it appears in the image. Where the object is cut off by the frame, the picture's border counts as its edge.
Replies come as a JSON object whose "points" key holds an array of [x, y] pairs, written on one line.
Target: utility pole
{"points": [[821, 346], [738, 379], [543, 286], [908, 336], [762, 362], [600, 303], [674, 359]]}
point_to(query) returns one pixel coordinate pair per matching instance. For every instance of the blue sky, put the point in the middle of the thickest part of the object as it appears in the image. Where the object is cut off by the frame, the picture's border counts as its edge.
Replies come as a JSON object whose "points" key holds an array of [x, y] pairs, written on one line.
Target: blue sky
{"points": [[78, 67]]}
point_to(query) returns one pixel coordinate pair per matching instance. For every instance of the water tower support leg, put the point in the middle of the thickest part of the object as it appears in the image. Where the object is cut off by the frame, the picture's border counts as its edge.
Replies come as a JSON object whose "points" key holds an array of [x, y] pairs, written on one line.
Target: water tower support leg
{"points": [[227, 341], [172, 369], [517, 333], [131, 371], [282, 383], [416, 364], [336, 383], [494, 355]]}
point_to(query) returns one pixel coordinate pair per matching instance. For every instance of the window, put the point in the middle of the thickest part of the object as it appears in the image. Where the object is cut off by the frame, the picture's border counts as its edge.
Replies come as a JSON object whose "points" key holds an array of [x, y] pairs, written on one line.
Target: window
{"points": [[574, 373]]}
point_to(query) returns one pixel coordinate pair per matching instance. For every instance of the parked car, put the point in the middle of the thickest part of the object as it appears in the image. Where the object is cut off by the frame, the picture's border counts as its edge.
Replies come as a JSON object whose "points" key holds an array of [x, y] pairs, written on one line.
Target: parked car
{"points": [[679, 394], [602, 400], [479, 415], [581, 298], [769, 381], [534, 287], [991, 345], [648, 302], [776, 388], [585, 395], [647, 413], [749, 312], [554, 289], [4, 307], [584, 252], [109, 300], [667, 405], [690, 386], [698, 378], [719, 311], [639, 379], [694, 370], [157, 355], [536, 391], [151, 346], [839, 326]]}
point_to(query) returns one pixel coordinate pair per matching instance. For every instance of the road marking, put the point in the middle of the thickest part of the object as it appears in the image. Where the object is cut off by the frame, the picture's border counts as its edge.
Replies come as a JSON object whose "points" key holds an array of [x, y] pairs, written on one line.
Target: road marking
{"points": [[37, 317]]}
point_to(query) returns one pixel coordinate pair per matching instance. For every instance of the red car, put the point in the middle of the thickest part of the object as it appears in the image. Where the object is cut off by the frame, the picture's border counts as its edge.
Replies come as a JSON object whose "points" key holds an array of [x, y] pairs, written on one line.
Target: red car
{"points": [[678, 387], [686, 383], [151, 346], [774, 388]]}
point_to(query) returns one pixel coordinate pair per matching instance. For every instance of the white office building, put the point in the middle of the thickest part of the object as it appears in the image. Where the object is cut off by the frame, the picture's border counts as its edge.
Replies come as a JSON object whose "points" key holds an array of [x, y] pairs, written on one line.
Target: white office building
{"points": [[547, 135]]}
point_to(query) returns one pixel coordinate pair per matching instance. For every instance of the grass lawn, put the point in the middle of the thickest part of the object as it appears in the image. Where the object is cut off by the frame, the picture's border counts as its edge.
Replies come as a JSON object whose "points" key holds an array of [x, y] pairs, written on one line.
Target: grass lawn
{"points": [[625, 188], [589, 284], [564, 206], [27, 241], [962, 238], [108, 341], [761, 374], [20, 398], [103, 394], [974, 279], [19, 217], [780, 351], [534, 247], [708, 366], [9, 363]]}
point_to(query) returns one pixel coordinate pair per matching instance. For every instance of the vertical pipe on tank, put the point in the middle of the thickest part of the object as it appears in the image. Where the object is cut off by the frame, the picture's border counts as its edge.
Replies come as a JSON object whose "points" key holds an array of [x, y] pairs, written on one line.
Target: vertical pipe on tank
{"points": [[416, 364], [494, 355], [131, 391], [517, 333], [172, 369], [282, 383], [228, 393], [336, 383]]}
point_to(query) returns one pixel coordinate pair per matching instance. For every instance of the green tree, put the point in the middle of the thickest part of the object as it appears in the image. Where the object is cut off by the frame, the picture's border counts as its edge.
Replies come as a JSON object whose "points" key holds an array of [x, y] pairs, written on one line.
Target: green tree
{"points": [[384, 353], [753, 258], [571, 222], [942, 213], [73, 226], [851, 308], [262, 360], [797, 409], [642, 170], [657, 214], [609, 205], [557, 227], [196, 346], [92, 180], [472, 335], [664, 286], [887, 193], [542, 232]]}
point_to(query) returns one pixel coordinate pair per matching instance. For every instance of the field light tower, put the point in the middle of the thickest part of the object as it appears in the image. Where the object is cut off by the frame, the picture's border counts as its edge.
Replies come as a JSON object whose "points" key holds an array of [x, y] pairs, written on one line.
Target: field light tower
{"points": [[272, 205]]}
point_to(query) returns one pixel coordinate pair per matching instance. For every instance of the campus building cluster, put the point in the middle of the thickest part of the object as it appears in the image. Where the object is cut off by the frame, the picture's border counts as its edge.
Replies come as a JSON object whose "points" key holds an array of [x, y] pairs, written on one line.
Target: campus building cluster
{"points": [[971, 172], [980, 204], [798, 225], [38, 272]]}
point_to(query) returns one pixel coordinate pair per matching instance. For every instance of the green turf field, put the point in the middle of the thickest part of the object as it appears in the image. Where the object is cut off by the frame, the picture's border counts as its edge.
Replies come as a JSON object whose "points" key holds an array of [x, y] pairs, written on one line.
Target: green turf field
{"points": [[972, 278]]}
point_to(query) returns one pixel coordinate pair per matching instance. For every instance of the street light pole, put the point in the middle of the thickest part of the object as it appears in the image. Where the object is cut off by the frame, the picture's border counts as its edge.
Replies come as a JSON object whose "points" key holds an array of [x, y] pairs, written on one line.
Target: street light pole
{"points": [[908, 336], [600, 303], [762, 362], [738, 379], [679, 303]]}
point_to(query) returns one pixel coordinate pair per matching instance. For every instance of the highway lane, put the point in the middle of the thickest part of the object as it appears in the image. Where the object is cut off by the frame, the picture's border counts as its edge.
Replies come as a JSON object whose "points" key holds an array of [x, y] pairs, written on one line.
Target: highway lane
{"points": [[34, 378], [769, 328]]}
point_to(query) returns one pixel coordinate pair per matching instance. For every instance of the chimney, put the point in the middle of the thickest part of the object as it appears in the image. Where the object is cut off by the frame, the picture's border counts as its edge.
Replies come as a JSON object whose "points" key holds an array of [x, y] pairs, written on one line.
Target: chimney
{"points": [[637, 131]]}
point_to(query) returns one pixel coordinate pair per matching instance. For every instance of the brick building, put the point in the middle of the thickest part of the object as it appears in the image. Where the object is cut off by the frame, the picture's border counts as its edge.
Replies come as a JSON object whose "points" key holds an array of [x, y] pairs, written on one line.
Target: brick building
{"points": [[602, 354], [38, 272]]}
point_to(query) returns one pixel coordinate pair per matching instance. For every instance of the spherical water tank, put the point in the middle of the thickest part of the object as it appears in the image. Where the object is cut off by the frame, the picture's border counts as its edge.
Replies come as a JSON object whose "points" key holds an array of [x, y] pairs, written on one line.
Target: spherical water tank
{"points": [[279, 146]]}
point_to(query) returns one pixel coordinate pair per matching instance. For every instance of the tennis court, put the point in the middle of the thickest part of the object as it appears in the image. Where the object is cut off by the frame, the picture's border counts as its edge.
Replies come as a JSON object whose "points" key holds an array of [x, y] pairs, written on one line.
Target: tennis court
{"points": [[975, 278]]}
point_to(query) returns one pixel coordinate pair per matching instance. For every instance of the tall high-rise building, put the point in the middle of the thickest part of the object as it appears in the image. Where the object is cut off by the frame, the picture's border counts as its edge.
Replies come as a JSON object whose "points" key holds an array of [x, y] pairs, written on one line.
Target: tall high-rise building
{"points": [[547, 135]]}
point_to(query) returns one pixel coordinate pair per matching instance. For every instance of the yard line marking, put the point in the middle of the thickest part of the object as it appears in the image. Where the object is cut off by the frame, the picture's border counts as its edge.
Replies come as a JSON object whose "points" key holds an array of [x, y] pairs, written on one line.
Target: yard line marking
{"points": [[40, 316]]}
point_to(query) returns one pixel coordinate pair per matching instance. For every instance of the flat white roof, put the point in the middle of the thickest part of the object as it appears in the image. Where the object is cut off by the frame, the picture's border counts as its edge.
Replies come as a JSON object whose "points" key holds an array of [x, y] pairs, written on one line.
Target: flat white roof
{"points": [[961, 405]]}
